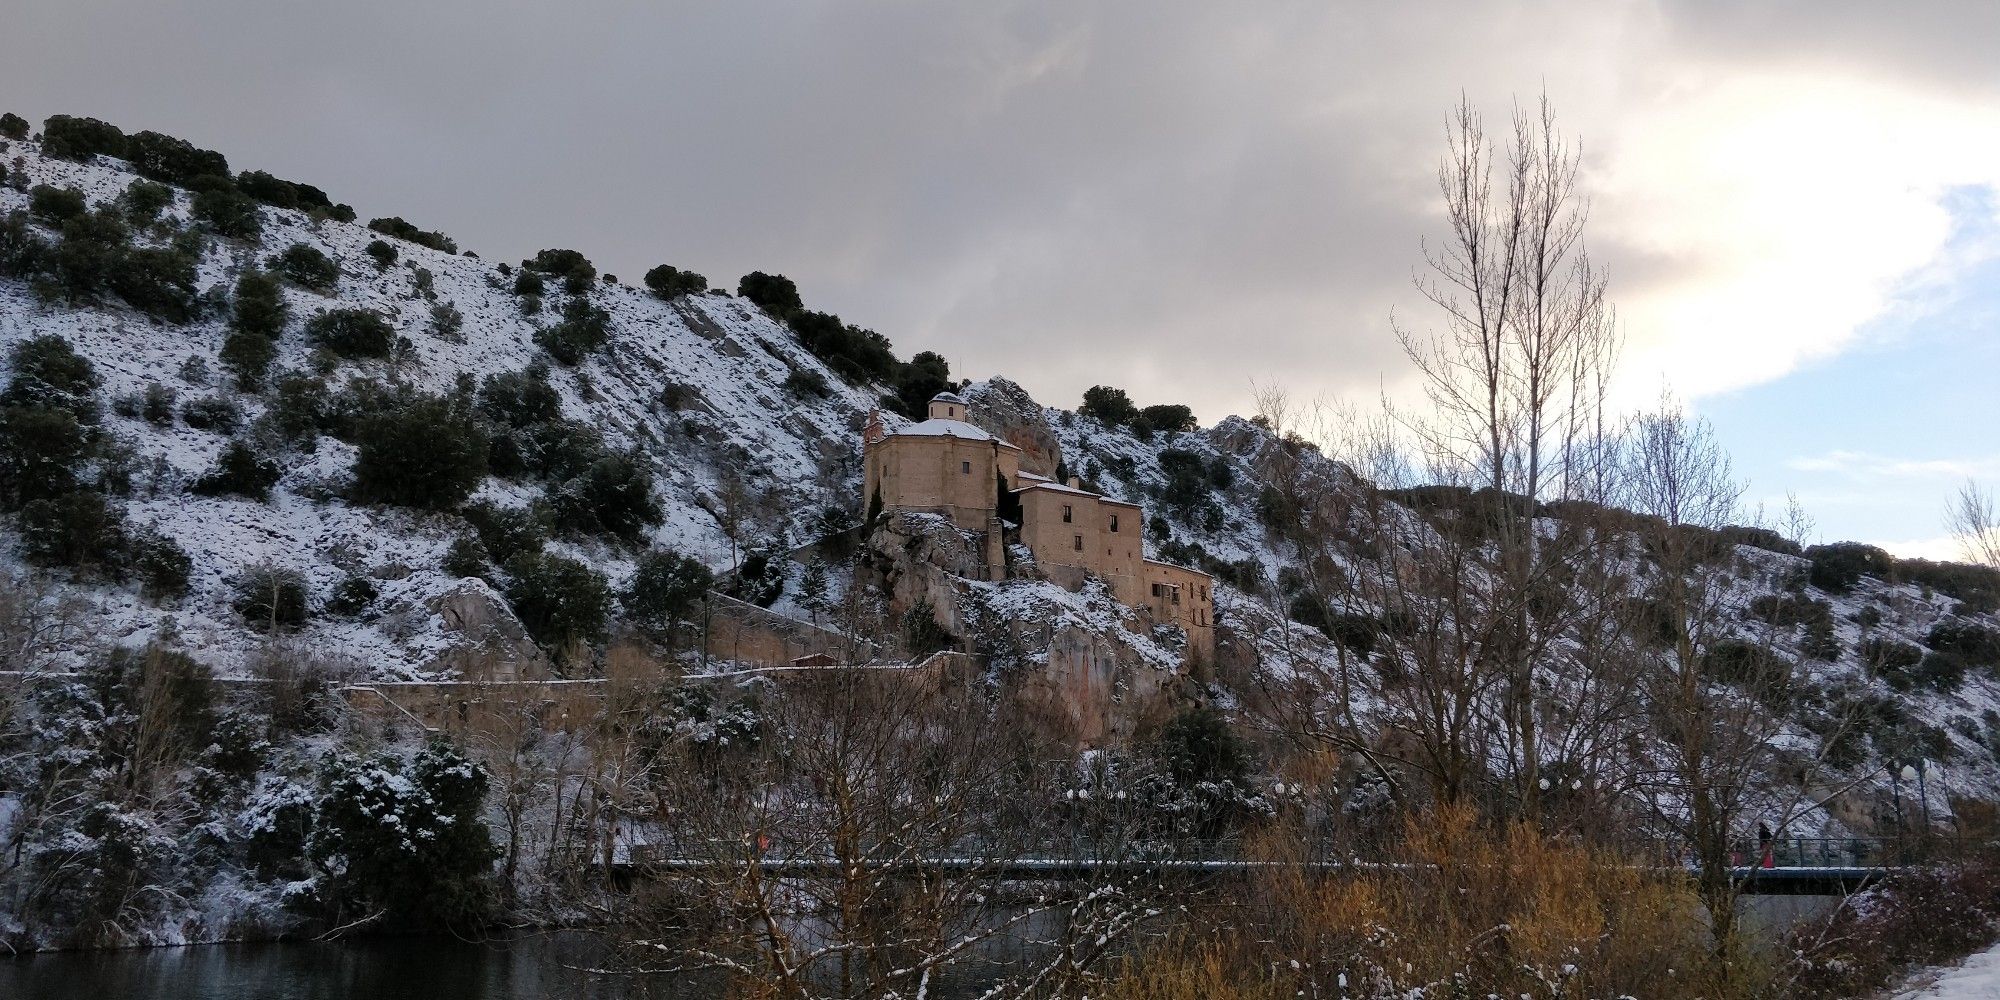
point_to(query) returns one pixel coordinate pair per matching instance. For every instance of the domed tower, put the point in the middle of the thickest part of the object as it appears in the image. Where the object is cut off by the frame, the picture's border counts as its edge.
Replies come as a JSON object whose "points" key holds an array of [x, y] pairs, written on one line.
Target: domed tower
{"points": [[948, 405]]}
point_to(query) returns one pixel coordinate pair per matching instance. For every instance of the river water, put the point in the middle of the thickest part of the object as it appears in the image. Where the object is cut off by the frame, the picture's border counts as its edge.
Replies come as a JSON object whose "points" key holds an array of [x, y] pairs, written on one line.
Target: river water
{"points": [[525, 967], [534, 966]]}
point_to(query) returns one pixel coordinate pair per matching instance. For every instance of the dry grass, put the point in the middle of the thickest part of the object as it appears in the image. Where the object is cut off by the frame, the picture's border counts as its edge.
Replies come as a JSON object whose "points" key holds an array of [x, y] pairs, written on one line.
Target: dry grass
{"points": [[1472, 910]]}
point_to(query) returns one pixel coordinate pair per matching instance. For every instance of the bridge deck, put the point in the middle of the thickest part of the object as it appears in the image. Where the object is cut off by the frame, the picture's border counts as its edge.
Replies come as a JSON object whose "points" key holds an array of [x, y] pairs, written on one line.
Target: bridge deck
{"points": [[1776, 881]]}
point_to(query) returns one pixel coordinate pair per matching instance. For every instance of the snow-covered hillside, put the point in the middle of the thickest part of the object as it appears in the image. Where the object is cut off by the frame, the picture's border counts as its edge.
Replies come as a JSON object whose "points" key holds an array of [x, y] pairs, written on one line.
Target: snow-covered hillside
{"points": [[696, 385], [749, 439]]}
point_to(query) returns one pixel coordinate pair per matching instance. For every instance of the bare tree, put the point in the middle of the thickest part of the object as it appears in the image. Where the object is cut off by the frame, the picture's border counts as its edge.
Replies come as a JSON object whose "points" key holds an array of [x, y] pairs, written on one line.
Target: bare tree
{"points": [[1973, 519], [854, 850], [1516, 376], [1716, 723]]}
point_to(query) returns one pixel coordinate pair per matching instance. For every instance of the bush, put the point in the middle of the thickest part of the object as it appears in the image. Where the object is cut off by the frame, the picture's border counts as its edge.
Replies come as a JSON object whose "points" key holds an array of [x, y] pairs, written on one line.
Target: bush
{"points": [[1977, 586], [465, 558], [162, 566], [1208, 763], [923, 634], [773, 293], [405, 839], [49, 373], [584, 328], [520, 399], [1111, 407], [806, 383], [353, 333], [268, 189], [395, 226], [41, 449], [561, 602], [919, 380], [1169, 417], [239, 470], [383, 254], [77, 269], [271, 599], [1751, 668], [529, 285], [229, 212], [304, 265], [159, 282], [1837, 567], [80, 529], [428, 451], [670, 282], [613, 497], [574, 268], [858, 355], [666, 589], [257, 319], [143, 201], [1972, 642], [13, 126], [353, 596], [1187, 479], [70, 138], [505, 532], [447, 322], [164, 158], [219, 414], [54, 205], [156, 405]]}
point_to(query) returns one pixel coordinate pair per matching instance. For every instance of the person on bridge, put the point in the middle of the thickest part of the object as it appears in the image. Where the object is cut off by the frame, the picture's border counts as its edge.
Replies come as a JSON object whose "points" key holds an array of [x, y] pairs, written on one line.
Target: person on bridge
{"points": [[1764, 845]]}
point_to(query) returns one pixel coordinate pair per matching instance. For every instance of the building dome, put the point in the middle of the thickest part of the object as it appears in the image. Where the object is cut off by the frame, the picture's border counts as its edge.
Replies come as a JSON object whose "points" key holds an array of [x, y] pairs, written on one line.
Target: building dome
{"points": [[948, 405]]}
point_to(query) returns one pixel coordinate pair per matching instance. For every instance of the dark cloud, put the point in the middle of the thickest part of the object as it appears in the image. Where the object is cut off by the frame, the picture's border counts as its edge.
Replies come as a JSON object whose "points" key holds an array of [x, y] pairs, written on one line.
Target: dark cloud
{"points": [[1177, 197]]}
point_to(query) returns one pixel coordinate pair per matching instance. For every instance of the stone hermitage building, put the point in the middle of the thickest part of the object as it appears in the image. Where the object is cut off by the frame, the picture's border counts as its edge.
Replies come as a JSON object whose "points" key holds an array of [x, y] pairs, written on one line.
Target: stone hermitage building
{"points": [[944, 465]]}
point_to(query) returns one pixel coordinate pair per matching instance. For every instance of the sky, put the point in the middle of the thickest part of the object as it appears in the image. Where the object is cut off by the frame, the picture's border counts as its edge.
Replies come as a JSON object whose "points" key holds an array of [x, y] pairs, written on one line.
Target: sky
{"points": [[1795, 200]]}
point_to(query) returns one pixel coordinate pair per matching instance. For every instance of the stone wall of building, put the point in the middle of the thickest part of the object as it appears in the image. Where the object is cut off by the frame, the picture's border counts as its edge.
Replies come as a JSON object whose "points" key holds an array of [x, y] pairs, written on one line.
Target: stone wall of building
{"points": [[957, 477], [1073, 533]]}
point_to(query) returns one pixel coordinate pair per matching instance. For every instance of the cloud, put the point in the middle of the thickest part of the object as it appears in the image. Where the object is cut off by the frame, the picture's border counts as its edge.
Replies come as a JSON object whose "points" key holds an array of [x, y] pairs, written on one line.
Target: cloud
{"points": [[1176, 197], [1865, 466]]}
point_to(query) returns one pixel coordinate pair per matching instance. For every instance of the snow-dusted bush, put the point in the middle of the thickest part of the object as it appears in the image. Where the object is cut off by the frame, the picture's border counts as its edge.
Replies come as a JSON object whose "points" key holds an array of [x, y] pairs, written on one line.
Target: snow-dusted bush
{"points": [[67, 137], [353, 333], [395, 226], [561, 602], [228, 211], [666, 589], [669, 282], [583, 329], [162, 157], [239, 471], [426, 451], [305, 266], [272, 599], [403, 842]]}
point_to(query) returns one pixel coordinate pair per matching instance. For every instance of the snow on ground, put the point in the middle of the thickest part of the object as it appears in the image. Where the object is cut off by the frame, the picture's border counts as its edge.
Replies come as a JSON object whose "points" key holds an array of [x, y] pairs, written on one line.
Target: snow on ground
{"points": [[1976, 978], [697, 386]]}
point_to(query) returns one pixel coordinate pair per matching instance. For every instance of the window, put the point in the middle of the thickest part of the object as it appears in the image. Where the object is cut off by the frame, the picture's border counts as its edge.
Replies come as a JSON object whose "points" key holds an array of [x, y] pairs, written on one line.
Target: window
{"points": [[965, 467], [1079, 540], [1114, 522], [1067, 511], [1156, 590], [951, 411]]}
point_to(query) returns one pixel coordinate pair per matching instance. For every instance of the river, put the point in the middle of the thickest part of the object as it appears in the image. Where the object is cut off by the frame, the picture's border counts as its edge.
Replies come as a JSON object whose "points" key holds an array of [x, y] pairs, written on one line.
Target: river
{"points": [[523, 967]]}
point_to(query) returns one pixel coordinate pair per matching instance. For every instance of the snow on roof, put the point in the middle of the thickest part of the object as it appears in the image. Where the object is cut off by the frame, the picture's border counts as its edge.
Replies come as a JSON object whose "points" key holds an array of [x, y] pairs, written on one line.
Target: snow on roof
{"points": [[938, 427], [1073, 491], [947, 396], [1029, 476]]}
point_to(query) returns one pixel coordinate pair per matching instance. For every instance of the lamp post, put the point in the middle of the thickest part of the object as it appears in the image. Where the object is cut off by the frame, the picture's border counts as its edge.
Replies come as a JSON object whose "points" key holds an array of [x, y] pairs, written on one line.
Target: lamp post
{"points": [[1909, 772], [1896, 795]]}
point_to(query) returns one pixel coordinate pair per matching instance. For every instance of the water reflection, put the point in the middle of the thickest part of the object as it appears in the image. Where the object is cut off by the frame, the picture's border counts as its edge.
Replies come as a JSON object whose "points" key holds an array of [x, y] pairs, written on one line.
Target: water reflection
{"points": [[527, 967]]}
